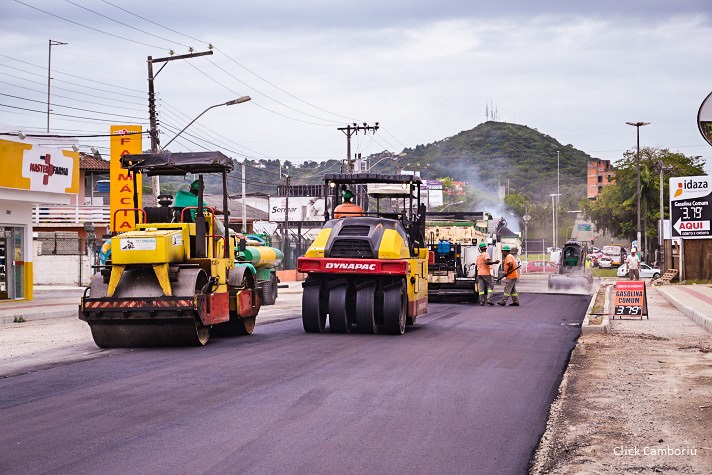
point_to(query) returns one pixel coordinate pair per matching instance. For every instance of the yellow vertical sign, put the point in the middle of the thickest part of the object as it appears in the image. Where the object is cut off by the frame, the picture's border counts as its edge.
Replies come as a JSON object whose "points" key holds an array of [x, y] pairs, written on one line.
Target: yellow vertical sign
{"points": [[125, 140]]}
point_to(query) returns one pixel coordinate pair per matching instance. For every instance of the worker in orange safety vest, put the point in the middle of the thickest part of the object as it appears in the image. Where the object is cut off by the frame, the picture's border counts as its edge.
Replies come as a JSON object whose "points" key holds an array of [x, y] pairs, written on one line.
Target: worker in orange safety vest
{"points": [[347, 208], [511, 274]]}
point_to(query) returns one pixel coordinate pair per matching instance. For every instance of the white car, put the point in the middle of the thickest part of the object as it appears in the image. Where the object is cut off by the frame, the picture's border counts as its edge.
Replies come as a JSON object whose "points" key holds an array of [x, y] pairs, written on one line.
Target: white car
{"points": [[605, 262], [645, 271]]}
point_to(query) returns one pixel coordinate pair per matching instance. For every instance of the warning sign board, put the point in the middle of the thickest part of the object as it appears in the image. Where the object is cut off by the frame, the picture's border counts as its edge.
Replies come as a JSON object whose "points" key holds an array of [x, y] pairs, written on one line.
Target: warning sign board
{"points": [[630, 299]]}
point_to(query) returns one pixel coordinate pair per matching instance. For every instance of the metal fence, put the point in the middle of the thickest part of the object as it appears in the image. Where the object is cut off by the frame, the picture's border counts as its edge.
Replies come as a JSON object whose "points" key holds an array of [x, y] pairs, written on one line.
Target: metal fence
{"points": [[64, 259], [64, 244], [292, 250], [74, 257]]}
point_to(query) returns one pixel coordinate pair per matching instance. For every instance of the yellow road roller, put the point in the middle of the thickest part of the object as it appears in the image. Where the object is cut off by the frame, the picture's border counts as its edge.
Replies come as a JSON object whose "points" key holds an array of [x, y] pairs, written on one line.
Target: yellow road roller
{"points": [[172, 279], [368, 266]]}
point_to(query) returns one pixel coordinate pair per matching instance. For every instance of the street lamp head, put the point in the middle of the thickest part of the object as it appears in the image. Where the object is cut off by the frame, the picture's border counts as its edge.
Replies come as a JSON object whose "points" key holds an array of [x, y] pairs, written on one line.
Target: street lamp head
{"points": [[637, 124], [239, 100]]}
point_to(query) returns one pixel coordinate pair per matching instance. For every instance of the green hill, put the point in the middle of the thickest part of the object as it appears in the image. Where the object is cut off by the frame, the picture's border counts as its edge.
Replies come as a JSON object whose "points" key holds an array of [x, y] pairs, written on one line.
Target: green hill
{"points": [[494, 152], [489, 155]]}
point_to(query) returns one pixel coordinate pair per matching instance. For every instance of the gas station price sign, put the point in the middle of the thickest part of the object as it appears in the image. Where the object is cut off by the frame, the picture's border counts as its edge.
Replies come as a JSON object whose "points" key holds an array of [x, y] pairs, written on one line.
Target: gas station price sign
{"points": [[690, 208], [630, 299]]}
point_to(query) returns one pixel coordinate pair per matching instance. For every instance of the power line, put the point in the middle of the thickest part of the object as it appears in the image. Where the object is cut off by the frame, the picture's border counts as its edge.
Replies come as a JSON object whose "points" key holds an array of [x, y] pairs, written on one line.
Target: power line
{"points": [[233, 60], [56, 71], [71, 98], [282, 90], [70, 90], [394, 138], [88, 27], [56, 136], [183, 138], [254, 102], [153, 22], [70, 107], [57, 114], [202, 139], [163, 102], [267, 96], [125, 24], [70, 82]]}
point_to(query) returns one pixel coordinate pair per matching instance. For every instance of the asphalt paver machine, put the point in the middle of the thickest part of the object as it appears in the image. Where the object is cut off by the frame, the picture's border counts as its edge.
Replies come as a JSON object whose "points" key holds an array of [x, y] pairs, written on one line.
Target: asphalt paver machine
{"points": [[453, 238]]}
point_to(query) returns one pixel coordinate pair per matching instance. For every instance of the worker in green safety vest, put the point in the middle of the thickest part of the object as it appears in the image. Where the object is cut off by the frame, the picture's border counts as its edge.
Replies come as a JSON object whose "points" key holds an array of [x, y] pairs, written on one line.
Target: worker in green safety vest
{"points": [[186, 199]]}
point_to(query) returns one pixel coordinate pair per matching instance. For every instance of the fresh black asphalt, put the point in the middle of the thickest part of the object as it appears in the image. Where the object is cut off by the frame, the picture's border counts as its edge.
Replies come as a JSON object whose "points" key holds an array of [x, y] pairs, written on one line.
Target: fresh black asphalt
{"points": [[467, 390]]}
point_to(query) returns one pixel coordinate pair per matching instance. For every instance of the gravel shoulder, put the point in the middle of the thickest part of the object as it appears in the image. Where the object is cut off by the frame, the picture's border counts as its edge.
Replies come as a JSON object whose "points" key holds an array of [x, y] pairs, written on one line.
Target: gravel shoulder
{"points": [[637, 400]]}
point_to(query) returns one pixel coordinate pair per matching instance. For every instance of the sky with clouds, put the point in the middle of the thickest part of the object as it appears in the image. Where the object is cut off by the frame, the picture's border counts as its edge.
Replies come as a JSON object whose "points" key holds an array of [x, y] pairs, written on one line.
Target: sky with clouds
{"points": [[424, 70]]}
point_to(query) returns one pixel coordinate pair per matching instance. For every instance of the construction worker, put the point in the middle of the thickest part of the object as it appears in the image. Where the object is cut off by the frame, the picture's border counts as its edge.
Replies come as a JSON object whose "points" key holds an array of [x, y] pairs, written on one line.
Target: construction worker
{"points": [[347, 208], [511, 274], [484, 275]]}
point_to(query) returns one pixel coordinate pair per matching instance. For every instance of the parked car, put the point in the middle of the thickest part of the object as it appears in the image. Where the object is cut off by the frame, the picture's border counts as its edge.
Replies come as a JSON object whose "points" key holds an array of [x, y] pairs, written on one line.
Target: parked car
{"points": [[605, 262], [540, 266], [646, 271]]}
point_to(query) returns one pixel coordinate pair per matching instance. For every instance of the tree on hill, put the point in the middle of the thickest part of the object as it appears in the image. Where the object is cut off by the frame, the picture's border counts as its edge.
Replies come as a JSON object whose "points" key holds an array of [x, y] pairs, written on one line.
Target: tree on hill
{"points": [[484, 157], [615, 209], [499, 153]]}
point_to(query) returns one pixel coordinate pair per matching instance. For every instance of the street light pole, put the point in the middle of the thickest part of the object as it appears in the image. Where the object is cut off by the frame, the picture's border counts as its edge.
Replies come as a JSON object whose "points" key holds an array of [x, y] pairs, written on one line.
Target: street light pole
{"points": [[49, 74], [637, 126], [558, 194], [239, 100], [554, 230]]}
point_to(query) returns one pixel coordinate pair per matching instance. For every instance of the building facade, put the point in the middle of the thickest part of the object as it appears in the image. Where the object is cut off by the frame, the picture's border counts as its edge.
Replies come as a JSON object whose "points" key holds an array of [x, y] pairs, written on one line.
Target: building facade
{"points": [[32, 174], [600, 173]]}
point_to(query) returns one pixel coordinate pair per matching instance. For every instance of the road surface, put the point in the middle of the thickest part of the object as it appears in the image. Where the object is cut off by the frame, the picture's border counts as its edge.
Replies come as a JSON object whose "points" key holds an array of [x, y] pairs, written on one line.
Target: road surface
{"points": [[467, 390]]}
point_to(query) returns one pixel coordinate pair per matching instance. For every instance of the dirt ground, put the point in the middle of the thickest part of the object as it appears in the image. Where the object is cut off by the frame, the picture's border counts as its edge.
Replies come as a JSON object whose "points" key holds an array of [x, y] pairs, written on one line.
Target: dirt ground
{"points": [[637, 400]]}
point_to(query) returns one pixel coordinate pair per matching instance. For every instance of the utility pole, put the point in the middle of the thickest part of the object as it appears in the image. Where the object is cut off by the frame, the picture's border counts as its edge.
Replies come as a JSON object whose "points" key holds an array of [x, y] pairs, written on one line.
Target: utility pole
{"points": [[49, 75], [637, 126], [350, 130], [155, 141], [286, 219], [244, 204], [526, 218], [558, 195]]}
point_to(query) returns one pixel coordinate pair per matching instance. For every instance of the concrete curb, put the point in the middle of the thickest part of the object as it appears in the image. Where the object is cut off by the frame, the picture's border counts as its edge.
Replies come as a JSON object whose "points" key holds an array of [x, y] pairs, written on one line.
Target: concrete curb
{"points": [[605, 326], [44, 315], [695, 315]]}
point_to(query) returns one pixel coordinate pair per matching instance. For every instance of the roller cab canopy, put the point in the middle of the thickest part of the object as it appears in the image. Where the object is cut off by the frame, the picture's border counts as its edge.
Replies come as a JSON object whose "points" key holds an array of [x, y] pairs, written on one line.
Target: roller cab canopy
{"points": [[366, 178], [178, 163], [379, 185]]}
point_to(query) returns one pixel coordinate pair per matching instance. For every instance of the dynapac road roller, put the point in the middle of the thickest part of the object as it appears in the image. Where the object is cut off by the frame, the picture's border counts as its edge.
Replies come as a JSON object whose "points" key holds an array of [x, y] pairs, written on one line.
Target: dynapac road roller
{"points": [[173, 278], [367, 268]]}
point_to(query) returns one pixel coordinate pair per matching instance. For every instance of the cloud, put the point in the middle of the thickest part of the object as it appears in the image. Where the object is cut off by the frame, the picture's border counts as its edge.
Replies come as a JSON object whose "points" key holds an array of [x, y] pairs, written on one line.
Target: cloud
{"points": [[425, 70]]}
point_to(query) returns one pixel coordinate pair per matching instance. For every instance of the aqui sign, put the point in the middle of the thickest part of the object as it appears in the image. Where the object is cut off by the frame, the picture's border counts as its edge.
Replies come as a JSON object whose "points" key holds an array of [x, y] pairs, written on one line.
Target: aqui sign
{"points": [[690, 210]]}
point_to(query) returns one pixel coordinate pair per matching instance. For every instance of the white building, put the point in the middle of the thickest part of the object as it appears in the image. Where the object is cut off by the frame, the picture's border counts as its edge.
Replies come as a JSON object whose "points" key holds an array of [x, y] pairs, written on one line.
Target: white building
{"points": [[33, 172]]}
